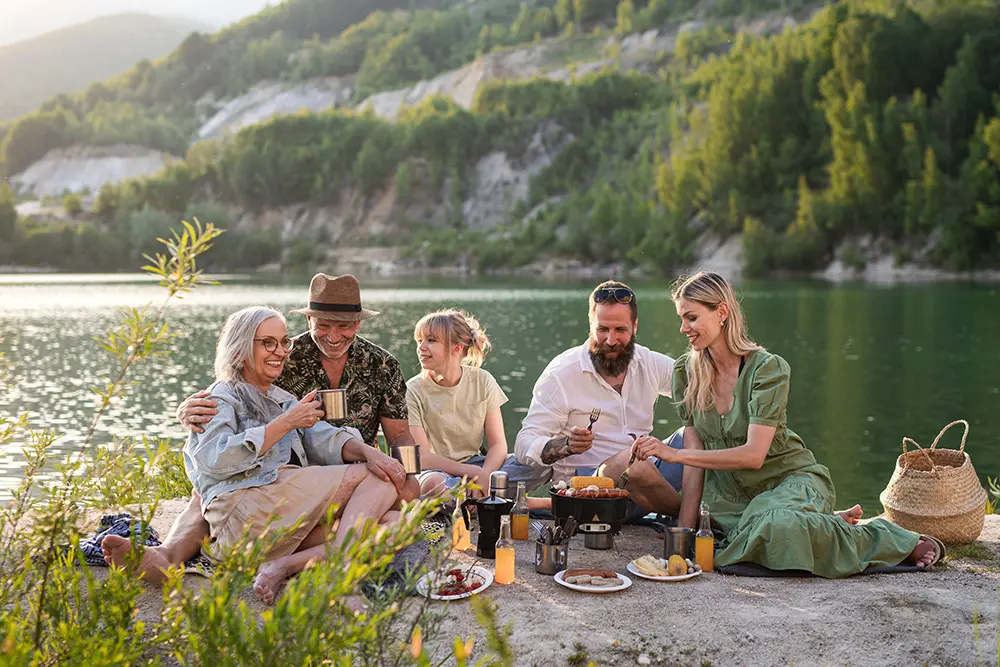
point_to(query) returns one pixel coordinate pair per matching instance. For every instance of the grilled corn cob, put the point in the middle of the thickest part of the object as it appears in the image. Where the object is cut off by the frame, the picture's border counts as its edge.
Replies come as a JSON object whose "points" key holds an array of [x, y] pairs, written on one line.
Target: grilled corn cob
{"points": [[599, 482]]}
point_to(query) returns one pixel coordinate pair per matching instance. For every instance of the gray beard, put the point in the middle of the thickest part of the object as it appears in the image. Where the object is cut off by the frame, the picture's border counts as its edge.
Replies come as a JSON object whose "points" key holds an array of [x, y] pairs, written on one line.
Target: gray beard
{"points": [[611, 366]]}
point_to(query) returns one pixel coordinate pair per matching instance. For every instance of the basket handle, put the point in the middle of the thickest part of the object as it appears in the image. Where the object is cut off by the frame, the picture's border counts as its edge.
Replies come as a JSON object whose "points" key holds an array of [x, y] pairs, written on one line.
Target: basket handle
{"points": [[929, 459], [964, 435]]}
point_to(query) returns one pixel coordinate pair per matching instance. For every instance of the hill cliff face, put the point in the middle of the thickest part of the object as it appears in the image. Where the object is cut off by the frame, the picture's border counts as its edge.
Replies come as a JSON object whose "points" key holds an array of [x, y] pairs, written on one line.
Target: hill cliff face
{"points": [[69, 59], [495, 134]]}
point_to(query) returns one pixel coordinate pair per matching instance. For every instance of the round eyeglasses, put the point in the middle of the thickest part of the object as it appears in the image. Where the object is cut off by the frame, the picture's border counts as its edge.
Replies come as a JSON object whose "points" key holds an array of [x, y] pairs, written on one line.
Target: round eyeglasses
{"points": [[271, 344]]}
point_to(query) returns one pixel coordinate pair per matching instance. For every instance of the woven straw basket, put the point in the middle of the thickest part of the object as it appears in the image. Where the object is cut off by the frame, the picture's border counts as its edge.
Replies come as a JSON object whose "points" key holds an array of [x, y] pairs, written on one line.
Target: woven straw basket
{"points": [[936, 492]]}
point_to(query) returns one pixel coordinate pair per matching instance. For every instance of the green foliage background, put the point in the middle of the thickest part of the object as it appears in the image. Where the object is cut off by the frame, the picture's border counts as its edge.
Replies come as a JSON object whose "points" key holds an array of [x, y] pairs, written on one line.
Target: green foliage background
{"points": [[875, 118]]}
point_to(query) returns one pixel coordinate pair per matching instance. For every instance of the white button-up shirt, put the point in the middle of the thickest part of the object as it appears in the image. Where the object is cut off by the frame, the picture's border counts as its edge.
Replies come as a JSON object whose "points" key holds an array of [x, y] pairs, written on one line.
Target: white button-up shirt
{"points": [[570, 387]]}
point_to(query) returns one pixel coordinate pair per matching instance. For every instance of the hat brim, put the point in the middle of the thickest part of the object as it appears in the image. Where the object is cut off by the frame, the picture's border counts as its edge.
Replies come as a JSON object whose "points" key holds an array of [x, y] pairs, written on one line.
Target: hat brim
{"points": [[365, 314]]}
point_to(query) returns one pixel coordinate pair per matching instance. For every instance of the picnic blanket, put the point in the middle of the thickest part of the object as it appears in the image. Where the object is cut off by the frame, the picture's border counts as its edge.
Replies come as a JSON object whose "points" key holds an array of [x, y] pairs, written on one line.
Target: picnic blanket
{"points": [[125, 525]]}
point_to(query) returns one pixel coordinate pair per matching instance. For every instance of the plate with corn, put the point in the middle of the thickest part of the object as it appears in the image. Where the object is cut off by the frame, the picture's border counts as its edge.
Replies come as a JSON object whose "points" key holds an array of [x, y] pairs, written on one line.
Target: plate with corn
{"points": [[676, 568]]}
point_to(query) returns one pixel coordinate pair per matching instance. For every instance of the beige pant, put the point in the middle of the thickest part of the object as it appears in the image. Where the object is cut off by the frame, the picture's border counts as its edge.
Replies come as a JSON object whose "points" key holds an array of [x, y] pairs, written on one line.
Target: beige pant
{"points": [[305, 493]]}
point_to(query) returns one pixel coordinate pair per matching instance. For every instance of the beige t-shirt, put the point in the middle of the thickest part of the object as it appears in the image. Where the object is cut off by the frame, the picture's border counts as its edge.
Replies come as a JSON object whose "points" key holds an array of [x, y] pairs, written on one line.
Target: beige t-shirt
{"points": [[454, 417]]}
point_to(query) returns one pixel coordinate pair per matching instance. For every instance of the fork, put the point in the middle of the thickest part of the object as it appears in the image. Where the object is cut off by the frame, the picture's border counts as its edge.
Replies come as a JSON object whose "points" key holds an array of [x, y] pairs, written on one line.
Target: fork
{"points": [[594, 415], [623, 478]]}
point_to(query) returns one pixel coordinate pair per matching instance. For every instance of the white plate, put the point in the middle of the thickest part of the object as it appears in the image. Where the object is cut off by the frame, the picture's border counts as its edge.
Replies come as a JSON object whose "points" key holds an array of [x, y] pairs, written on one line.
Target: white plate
{"points": [[626, 582], [426, 583], [680, 577]]}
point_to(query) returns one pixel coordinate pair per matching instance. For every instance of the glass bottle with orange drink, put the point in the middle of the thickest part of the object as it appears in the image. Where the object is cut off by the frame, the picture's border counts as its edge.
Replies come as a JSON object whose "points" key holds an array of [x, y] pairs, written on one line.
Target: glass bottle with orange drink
{"points": [[704, 542], [461, 537], [505, 553], [519, 514]]}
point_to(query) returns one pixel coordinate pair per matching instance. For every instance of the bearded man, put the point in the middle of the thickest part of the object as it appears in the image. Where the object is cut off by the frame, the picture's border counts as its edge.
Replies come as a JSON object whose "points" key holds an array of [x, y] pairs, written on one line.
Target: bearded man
{"points": [[622, 379]]}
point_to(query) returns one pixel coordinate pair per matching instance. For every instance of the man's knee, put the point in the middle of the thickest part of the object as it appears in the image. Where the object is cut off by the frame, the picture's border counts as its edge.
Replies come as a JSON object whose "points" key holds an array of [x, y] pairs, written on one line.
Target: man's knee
{"points": [[645, 473], [616, 464]]}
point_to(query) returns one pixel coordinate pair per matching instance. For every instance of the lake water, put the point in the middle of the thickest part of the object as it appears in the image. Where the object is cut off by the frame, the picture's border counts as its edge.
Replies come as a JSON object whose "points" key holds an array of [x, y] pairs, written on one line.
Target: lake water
{"points": [[869, 364]]}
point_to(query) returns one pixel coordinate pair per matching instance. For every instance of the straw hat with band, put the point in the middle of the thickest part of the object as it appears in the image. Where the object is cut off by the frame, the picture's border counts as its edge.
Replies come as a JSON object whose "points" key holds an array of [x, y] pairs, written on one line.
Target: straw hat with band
{"points": [[335, 298]]}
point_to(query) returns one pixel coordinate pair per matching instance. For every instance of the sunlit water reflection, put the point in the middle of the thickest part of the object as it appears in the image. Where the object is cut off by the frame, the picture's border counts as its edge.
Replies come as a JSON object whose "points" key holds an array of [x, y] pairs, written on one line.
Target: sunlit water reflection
{"points": [[869, 365]]}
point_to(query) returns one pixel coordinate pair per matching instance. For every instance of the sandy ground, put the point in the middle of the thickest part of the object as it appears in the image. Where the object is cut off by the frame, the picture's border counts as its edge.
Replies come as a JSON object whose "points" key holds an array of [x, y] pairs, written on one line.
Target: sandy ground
{"points": [[895, 619]]}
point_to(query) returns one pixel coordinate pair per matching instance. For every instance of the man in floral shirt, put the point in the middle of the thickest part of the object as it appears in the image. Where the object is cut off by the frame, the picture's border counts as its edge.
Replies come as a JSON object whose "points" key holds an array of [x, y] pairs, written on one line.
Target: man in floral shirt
{"points": [[330, 355], [371, 376]]}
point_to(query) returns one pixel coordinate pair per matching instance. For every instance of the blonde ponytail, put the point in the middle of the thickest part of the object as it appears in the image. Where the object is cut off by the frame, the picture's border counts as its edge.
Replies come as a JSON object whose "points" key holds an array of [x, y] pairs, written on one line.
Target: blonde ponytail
{"points": [[710, 289], [455, 327]]}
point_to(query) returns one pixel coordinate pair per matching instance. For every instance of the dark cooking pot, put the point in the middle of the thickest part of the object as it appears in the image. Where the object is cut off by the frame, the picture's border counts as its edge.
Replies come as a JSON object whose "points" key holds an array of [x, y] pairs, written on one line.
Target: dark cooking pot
{"points": [[589, 510]]}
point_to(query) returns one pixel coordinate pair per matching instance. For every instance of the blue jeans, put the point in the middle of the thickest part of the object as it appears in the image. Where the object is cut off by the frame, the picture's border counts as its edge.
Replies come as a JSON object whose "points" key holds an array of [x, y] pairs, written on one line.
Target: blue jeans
{"points": [[673, 473], [532, 477]]}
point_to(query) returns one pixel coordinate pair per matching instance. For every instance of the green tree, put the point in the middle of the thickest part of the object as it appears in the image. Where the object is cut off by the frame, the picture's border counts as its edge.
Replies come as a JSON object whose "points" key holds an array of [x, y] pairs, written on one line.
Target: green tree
{"points": [[564, 13], [521, 28], [933, 191], [964, 93], [145, 227], [31, 137], [72, 204], [107, 202], [8, 213], [209, 211], [625, 17], [485, 43]]}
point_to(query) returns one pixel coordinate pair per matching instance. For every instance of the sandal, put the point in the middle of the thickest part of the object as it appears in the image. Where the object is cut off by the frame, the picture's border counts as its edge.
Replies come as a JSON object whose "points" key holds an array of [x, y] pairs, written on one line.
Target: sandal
{"points": [[939, 550]]}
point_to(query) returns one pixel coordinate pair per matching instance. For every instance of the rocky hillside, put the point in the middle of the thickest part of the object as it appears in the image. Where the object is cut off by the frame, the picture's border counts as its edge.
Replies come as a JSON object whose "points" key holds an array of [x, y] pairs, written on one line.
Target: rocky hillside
{"points": [[622, 135], [87, 168]]}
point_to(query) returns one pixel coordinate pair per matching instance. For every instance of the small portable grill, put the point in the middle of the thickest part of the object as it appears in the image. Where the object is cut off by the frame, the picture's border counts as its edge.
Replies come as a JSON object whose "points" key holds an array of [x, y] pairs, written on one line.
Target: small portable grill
{"points": [[599, 519]]}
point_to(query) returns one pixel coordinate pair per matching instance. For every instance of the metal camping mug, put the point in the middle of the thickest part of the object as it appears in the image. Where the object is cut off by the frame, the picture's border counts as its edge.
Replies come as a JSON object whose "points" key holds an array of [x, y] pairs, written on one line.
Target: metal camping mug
{"points": [[550, 558], [409, 456], [678, 541], [334, 402]]}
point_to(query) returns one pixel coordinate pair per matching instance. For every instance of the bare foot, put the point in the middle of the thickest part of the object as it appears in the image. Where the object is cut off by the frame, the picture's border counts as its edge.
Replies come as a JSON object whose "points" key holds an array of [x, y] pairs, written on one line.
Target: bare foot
{"points": [[270, 576], [154, 562], [851, 516]]}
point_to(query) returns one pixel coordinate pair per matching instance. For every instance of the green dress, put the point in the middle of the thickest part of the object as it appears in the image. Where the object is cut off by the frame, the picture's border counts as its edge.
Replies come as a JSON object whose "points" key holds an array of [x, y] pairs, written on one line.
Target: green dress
{"points": [[780, 516]]}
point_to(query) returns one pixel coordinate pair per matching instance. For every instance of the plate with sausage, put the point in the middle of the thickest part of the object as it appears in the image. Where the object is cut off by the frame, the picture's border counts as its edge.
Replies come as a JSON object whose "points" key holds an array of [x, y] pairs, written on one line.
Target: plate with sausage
{"points": [[593, 581]]}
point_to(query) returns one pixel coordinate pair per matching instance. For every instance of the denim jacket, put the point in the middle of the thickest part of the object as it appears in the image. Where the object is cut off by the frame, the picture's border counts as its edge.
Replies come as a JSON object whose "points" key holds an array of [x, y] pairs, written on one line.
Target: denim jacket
{"points": [[227, 457]]}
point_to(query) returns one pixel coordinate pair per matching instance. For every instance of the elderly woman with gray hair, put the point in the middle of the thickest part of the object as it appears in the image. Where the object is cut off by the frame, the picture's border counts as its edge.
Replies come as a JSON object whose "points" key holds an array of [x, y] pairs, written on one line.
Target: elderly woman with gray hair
{"points": [[267, 454]]}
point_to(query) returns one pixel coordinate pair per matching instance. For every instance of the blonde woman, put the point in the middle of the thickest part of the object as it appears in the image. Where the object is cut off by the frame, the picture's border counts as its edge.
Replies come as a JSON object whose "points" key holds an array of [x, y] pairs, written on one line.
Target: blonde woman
{"points": [[771, 498], [453, 402]]}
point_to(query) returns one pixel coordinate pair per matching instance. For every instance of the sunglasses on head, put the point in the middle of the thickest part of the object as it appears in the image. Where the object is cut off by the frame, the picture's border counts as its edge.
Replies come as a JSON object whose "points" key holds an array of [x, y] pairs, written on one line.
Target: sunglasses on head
{"points": [[608, 294], [271, 344]]}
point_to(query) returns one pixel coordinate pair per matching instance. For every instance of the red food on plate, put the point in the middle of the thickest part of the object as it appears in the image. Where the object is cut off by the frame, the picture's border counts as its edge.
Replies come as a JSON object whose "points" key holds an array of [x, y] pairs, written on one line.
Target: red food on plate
{"points": [[460, 587], [458, 581]]}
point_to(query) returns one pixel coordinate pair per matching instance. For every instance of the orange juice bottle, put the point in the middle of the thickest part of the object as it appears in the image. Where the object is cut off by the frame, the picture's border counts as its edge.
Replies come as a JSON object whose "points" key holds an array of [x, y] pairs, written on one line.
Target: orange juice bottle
{"points": [[704, 542], [505, 553], [461, 538], [519, 514]]}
